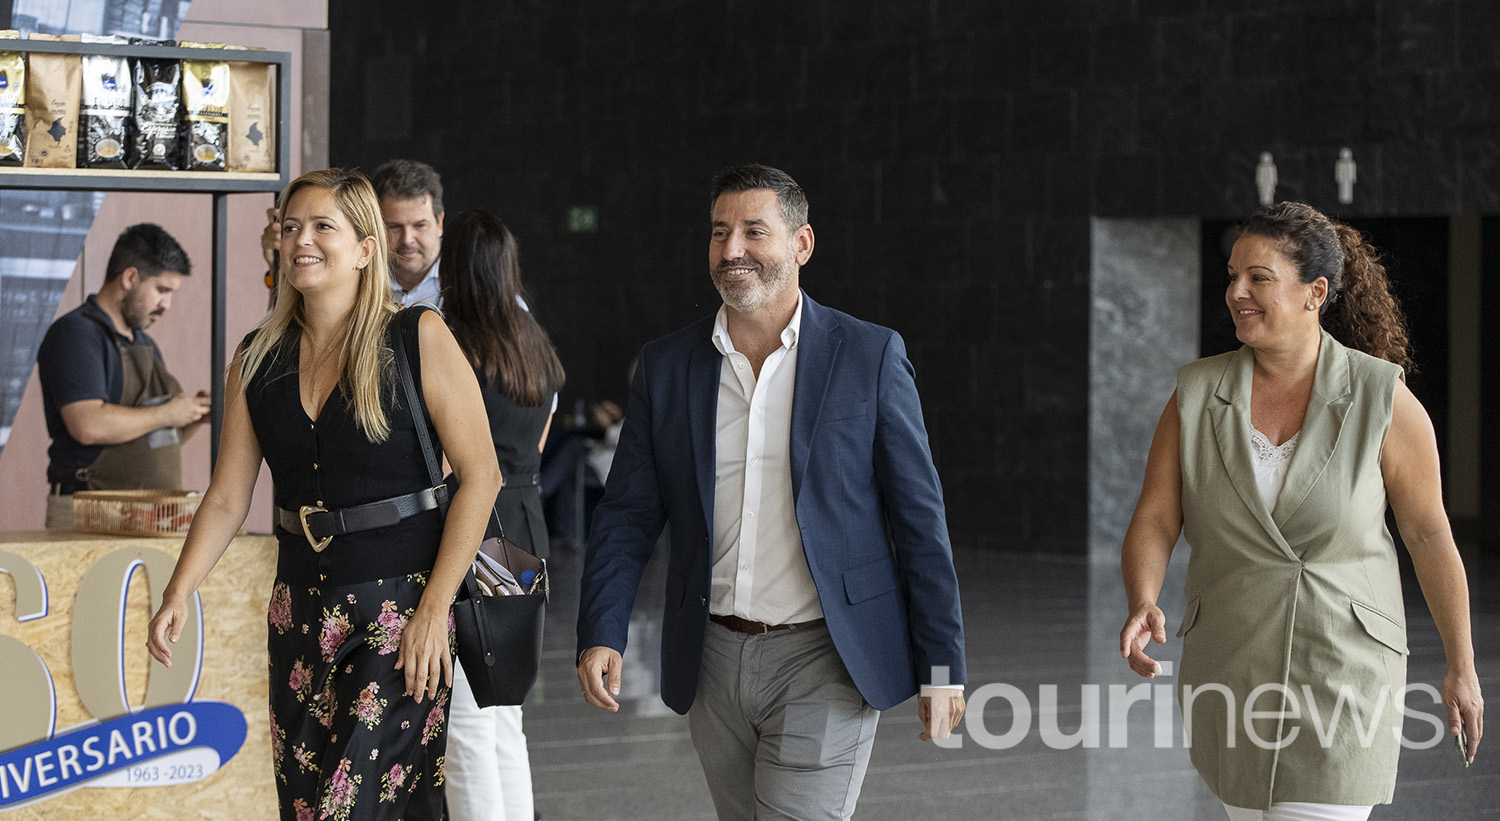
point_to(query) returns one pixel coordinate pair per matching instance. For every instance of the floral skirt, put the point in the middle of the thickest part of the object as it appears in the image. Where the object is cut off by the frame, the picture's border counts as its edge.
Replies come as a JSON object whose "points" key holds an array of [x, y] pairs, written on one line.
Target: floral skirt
{"points": [[347, 744]]}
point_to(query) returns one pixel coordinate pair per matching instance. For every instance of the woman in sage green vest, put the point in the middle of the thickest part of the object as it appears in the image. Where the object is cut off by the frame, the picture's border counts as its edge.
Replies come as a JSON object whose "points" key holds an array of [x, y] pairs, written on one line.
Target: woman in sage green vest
{"points": [[1277, 461]]}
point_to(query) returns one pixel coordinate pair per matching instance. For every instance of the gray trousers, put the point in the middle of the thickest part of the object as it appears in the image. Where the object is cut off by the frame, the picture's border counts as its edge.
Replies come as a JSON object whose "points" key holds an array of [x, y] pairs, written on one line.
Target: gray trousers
{"points": [[59, 511], [780, 729]]}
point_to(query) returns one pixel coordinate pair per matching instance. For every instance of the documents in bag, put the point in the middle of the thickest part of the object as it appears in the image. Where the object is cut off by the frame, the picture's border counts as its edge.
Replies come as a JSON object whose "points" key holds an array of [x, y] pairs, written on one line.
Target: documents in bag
{"points": [[495, 579]]}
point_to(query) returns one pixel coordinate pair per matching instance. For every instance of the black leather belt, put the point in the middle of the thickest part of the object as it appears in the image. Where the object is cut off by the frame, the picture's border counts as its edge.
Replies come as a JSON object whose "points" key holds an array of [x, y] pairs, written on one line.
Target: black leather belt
{"points": [[521, 482], [320, 526]]}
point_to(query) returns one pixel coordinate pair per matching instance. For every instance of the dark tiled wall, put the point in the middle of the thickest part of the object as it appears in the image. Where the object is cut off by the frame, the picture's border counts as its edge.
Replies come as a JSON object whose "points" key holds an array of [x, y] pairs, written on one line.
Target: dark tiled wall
{"points": [[953, 151]]}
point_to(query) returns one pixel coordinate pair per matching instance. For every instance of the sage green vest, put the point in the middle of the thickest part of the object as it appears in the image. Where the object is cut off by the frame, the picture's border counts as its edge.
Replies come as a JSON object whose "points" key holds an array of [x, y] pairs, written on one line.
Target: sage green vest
{"points": [[1304, 598]]}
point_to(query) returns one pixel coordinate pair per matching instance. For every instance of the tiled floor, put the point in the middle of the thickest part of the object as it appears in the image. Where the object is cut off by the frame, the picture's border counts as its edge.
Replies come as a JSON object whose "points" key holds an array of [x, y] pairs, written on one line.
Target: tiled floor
{"points": [[1031, 621]]}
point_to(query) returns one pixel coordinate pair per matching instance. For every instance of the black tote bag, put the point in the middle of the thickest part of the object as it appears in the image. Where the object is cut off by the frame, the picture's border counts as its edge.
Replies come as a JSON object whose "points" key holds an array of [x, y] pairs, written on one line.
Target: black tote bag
{"points": [[499, 637]]}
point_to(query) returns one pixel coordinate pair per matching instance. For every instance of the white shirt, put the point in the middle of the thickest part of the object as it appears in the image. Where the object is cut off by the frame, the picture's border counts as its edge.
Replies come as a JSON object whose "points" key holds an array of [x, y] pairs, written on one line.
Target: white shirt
{"points": [[759, 569], [428, 290], [1271, 463]]}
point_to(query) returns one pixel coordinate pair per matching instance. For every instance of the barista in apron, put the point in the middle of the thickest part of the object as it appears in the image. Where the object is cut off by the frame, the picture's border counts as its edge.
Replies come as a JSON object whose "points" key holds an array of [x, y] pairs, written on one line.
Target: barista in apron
{"points": [[116, 416]]}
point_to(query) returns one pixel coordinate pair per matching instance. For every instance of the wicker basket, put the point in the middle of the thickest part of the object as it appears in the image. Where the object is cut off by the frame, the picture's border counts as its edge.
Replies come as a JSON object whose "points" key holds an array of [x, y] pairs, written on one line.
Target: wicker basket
{"points": [[134, 512]]}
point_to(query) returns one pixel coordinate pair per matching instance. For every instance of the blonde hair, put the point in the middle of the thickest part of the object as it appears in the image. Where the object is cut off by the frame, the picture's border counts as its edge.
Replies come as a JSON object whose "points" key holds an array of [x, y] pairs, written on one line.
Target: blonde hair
{"points": [[370, 365]]}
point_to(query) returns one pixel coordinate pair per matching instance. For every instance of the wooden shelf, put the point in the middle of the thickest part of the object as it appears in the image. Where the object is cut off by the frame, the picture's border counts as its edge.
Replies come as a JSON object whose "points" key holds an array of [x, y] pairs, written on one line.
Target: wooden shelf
{"points": [[189, 182], [116, 179]]}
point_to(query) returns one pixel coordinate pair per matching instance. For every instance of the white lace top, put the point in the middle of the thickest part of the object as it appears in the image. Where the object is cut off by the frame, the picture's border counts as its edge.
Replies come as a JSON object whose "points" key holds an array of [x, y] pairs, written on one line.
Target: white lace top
{"points": [[1271, 462]]}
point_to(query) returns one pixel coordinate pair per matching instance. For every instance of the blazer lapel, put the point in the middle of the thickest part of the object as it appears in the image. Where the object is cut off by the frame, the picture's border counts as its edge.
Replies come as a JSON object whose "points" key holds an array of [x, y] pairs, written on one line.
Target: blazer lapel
{"points": [[704, 364], [1231, 420], [818, 344], [1319, 438]]}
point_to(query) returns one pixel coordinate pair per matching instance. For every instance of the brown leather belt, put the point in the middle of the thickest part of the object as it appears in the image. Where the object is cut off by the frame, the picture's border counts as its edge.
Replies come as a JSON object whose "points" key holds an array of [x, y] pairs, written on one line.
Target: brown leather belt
{"points": [[756, 628]]}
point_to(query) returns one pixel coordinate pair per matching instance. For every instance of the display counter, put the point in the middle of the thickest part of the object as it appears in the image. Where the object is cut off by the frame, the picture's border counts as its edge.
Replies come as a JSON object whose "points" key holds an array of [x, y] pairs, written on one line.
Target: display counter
{"points": [[94, 728]]}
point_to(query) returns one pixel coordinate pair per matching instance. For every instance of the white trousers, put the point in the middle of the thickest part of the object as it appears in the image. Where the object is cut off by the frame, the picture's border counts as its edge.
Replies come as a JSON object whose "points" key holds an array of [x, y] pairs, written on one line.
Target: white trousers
{"points": [[487, 771], [1300, 811]]}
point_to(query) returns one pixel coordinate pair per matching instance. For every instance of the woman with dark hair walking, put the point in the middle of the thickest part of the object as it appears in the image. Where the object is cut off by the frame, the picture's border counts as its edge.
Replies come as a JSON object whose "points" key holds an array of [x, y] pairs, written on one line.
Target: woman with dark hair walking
{"points": [[488, 770]]}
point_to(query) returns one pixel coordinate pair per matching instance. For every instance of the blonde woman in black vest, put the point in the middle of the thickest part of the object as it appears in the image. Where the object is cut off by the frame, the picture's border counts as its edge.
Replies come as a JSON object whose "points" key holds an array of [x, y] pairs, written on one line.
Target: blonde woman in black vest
{"points": [[367, 566], [1277, 462]]}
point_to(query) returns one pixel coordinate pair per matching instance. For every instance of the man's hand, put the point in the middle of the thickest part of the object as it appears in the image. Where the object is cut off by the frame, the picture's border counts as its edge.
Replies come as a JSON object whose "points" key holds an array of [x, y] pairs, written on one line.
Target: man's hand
{"points": [[940, 712], [270, 238], [188, 431], [606, 413], [184, 409], [593, 666]]}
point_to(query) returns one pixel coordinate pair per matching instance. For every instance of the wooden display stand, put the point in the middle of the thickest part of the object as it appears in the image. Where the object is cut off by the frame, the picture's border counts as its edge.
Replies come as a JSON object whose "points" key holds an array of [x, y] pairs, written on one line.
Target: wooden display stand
{"points": [[87, 578]]}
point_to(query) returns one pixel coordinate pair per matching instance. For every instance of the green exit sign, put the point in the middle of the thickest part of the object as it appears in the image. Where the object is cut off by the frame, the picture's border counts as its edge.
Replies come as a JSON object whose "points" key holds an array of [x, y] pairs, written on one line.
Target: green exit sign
{"points": [[583, 219]]}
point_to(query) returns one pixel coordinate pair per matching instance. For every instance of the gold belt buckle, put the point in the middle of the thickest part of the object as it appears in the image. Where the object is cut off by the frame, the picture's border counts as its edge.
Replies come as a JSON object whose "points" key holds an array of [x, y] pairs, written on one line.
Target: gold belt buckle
{"points": [[318, 545]]}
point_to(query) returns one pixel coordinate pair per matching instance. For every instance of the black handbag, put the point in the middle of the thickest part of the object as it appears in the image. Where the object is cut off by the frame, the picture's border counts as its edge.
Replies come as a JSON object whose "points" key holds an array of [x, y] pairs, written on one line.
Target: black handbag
{"points": [[499, 637]]}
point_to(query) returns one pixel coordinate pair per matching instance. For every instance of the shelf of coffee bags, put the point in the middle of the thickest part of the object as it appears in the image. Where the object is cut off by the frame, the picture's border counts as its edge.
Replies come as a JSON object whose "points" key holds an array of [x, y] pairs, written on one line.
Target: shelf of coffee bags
{"points": [[161, 179], [118, 179]]}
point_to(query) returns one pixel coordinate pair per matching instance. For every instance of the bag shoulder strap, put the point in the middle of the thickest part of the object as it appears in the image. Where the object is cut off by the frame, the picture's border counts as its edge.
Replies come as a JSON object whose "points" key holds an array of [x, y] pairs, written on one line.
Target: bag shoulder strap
{"points": [[411, 316]]}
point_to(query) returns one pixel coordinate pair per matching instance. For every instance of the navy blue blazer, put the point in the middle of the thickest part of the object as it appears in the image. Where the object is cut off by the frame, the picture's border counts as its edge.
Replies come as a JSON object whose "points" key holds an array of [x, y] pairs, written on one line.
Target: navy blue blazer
{"points": [[868, 501]]}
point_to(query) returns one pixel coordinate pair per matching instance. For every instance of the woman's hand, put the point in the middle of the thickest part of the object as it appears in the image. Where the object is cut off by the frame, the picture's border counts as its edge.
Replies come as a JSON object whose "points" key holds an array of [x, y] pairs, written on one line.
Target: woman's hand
{"points": [[1465, 707], [1147, 551], [424, 652], [1146, 623], [166, 627]]}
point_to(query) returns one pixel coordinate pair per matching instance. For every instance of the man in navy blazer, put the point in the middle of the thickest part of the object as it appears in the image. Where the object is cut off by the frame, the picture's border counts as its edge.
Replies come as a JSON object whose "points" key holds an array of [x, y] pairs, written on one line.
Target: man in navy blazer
{"points": [[810, 582]]}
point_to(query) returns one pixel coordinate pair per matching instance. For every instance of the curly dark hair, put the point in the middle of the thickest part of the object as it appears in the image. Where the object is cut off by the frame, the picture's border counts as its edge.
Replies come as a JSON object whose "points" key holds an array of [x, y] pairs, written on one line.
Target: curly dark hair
{"points": [[1361, 312]]}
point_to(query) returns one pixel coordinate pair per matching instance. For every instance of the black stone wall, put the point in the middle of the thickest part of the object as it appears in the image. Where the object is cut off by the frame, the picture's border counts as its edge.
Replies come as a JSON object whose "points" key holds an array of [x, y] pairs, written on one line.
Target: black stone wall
{"points": [[953, 152]]}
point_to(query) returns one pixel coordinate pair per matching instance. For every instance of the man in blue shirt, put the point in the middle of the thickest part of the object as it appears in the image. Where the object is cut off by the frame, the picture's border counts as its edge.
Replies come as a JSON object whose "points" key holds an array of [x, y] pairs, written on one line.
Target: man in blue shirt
{"points": [[116, 416], [411, 203]]}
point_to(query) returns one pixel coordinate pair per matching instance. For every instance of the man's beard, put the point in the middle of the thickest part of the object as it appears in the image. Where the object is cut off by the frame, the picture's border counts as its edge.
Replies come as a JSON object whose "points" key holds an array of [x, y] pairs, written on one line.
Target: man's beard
{"points": [[758, 291], [136, 316]]}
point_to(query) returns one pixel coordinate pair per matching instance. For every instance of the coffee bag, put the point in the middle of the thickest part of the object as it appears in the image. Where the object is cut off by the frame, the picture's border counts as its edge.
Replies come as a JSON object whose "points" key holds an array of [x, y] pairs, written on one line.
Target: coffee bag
{"points": [[106, 110], [12, 108], [252, 117], [205, 94], [53, 83], [158, 106]]}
